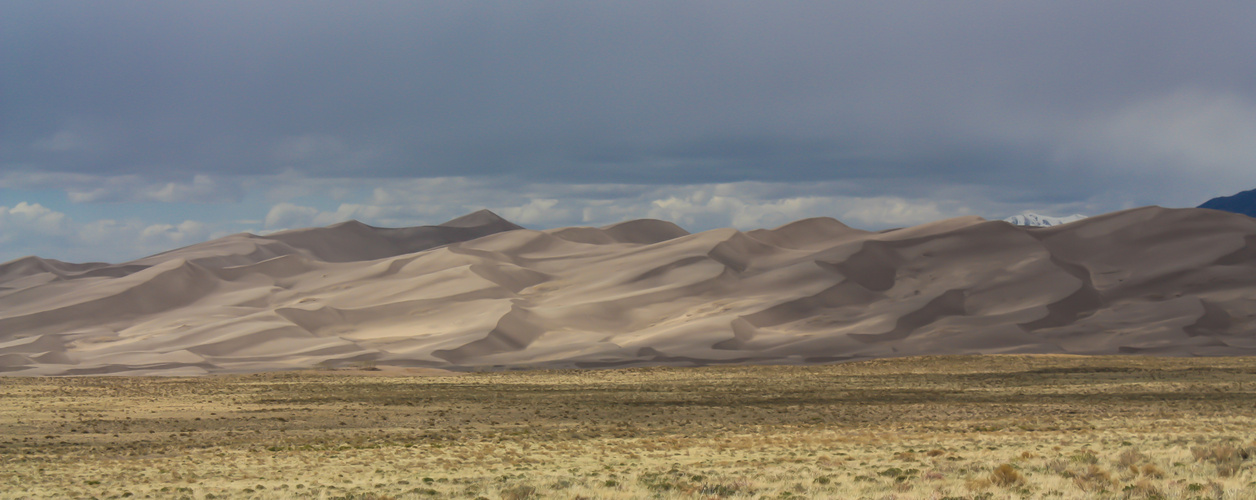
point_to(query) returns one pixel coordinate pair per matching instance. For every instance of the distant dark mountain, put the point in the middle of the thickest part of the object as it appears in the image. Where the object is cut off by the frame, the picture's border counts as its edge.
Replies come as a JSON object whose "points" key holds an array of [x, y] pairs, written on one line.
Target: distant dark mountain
{"points": [[1242, 203]]}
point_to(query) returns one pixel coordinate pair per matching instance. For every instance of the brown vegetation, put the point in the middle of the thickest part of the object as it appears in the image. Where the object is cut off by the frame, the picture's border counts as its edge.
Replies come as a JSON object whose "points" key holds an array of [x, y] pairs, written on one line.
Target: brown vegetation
{"points": [[984, 427]]}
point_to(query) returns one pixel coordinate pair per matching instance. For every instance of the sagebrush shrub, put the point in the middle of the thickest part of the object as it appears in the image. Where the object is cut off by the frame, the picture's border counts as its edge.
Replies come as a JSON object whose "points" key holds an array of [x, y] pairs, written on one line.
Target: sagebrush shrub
{"points": [[1006, 475]]}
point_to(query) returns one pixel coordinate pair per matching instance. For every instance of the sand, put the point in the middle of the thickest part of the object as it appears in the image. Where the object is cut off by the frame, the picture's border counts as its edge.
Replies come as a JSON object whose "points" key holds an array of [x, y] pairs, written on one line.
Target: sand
{"points": [[480, 292]]}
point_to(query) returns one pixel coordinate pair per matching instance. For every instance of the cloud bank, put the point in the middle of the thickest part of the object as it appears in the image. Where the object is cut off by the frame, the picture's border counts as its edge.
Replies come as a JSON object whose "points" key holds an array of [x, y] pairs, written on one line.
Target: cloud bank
{"points": [[287, 112]]}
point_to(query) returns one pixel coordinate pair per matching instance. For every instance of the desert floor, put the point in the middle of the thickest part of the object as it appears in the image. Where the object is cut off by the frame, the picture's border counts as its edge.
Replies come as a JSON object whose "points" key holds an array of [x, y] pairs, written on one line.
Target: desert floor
{"points": [[973, 427]]}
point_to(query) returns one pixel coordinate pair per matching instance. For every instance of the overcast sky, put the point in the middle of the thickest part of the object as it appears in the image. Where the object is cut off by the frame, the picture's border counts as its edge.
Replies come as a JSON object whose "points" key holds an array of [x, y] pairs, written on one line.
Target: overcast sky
{"points": [[128, 128]]}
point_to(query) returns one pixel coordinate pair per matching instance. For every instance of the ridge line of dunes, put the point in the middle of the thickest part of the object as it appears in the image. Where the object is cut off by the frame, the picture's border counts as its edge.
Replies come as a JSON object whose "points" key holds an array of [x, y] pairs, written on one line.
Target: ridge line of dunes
{"points": [[480, 291]]}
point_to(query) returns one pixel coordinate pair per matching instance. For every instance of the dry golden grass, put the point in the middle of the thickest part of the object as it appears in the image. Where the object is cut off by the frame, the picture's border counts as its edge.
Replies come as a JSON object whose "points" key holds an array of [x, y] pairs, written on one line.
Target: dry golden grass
{"points": [[980, 427]]}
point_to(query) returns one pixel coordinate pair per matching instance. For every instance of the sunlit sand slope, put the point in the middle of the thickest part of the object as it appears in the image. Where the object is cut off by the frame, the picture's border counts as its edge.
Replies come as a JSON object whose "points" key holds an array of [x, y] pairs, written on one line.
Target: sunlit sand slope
{"points": [[479, 291]]}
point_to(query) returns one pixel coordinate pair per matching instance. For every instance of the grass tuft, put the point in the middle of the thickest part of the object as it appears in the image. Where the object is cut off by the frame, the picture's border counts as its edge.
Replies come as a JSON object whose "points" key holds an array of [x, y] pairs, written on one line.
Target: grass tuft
{"points": [[1005, 475]]}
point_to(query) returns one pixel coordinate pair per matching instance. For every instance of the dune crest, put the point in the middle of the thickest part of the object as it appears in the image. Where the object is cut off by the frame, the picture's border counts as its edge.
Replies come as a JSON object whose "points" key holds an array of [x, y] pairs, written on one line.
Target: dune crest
{"points": [[480, 291]]}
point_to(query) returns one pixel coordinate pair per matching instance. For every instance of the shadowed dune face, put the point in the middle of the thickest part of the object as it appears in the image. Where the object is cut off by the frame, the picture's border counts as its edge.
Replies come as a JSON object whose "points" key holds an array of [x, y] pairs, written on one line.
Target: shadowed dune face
{"points": [[479, 291]]}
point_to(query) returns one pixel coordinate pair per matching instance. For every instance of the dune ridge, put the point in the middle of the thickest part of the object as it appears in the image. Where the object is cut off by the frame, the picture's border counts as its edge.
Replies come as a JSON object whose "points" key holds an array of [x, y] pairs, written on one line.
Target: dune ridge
{"points": [[480, 291]]}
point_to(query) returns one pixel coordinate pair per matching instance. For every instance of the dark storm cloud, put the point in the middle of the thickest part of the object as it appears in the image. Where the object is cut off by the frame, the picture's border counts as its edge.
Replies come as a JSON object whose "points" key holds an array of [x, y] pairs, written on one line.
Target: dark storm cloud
{"points": [[903, 95]]}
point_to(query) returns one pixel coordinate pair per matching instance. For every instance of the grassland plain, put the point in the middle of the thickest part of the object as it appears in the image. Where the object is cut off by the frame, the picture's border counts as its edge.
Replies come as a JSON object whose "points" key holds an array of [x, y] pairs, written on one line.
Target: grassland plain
{"points": [[971, 427]]}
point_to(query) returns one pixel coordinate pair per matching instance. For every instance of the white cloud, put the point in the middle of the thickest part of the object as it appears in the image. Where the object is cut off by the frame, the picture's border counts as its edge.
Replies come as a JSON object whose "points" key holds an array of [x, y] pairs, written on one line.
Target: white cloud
{"points": [[407, 202], [33, 229], [25, 179], [741, 208], [132, 188], [29, 228], [891, 211], [287, 216], [168, 235], [25, 220], [744, 205], [36, 215], [87, 188], [115, 240], [202, 188], [537, 211]]}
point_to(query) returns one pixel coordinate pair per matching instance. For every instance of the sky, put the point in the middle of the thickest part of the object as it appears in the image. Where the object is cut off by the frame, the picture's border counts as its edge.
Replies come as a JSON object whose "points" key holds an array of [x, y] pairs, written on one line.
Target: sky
{"points": [[129, 128]]}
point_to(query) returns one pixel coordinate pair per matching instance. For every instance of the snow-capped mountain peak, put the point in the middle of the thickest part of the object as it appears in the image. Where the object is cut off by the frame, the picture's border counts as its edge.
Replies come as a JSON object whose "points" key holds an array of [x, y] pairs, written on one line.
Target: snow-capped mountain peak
{"points": [[1036, 220]]}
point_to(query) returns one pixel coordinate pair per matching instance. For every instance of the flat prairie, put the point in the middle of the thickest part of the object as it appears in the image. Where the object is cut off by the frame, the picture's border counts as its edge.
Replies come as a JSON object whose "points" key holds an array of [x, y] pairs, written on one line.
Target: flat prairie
{"points": [[946, 427]]}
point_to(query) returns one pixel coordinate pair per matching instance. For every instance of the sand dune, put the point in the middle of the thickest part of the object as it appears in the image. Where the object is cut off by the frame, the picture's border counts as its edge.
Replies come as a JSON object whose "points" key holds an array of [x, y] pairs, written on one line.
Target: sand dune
{"points": [[480, 291]]}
